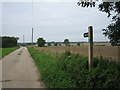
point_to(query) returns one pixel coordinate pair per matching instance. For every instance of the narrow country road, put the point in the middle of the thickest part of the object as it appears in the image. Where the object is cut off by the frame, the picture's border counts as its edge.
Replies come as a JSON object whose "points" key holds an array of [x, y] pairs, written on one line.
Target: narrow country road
{"points": [[20, 71]]}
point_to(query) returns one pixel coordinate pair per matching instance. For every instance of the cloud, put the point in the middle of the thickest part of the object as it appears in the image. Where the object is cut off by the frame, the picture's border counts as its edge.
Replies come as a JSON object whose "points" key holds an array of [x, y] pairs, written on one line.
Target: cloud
{"points": [[53, 21]]}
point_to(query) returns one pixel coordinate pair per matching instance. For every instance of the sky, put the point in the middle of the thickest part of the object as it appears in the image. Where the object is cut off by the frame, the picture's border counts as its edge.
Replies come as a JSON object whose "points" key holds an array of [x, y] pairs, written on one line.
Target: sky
{"points": [[53, 21]]}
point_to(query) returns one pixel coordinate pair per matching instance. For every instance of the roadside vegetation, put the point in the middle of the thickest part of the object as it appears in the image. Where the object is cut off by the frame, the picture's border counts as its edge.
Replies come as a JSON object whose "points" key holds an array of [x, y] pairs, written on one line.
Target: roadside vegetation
{"points": [[6, 51], [9, 44], [68, 70]]}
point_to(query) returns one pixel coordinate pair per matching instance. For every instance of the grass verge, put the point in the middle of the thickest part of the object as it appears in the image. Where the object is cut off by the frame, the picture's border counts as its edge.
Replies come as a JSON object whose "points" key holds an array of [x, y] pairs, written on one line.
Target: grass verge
{"points": [[71, 70], [6, 51]]}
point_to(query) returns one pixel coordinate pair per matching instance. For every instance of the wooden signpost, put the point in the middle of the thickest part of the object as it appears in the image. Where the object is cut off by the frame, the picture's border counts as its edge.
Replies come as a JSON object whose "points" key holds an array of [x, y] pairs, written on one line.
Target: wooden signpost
{"points": [[90, 47]]}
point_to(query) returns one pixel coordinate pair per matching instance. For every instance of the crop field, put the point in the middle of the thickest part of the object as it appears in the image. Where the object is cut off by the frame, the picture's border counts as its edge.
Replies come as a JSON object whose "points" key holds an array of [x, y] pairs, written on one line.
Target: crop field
{"points": [[105, 51]]}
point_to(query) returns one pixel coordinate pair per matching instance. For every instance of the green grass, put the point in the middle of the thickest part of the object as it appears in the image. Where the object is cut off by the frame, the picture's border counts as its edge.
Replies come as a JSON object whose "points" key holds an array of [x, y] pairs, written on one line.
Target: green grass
{"points": [[71, 70], [6, 51]]}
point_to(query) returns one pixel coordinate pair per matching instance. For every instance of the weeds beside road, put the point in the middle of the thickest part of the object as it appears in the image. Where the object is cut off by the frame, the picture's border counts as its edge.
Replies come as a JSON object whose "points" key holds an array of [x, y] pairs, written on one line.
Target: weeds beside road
{"points": [[71, 70]]}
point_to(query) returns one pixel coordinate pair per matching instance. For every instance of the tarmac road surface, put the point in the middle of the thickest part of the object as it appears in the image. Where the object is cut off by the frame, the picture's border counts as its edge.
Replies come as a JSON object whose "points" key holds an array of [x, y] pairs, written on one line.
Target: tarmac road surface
{"points": [[20, 71]]}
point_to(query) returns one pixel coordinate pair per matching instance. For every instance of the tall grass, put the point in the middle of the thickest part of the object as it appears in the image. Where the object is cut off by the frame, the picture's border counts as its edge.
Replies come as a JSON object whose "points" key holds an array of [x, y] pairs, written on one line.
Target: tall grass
{"points": [[6, 51], [71, 71]]}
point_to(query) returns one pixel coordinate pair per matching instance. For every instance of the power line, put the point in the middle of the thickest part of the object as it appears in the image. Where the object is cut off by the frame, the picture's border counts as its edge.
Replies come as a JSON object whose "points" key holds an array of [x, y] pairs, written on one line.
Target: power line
{"points": [[32, 22]]}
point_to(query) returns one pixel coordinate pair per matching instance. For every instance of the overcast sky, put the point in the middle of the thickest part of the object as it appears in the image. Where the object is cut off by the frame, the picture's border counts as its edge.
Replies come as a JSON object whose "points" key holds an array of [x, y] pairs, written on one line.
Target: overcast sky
{"points": [[54, 21]]}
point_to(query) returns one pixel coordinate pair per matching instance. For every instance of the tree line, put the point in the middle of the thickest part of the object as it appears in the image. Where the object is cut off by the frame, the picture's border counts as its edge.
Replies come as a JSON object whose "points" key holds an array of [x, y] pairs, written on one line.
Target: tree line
{"points": [[41, 43], [9, 41]]}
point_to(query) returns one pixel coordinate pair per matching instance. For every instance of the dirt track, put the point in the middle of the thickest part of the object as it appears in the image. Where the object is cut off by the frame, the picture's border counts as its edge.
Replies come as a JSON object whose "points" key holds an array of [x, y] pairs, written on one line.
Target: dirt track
{"points": [[20, 71]]}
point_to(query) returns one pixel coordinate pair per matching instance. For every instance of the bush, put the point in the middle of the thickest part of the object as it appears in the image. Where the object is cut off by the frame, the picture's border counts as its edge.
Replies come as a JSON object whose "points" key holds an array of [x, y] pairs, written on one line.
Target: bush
{"points": [[71, 71]]}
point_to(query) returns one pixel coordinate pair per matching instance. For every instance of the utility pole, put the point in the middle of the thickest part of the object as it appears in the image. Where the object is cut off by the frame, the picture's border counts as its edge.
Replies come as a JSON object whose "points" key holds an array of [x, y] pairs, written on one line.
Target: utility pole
{"points": [[32, 22], [32, 36], [23, 40], [90, 47]]}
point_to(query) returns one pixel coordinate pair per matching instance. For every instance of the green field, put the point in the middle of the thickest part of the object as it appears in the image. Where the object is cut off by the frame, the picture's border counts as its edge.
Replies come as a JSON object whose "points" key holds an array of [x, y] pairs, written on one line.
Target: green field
{"points": [[6, 51], [68, 70]]}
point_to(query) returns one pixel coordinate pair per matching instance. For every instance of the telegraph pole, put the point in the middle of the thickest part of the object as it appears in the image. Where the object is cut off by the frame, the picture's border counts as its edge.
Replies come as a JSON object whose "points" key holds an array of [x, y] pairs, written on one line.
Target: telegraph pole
{"points": [[32, 36], [23, 40], [32, 22]]}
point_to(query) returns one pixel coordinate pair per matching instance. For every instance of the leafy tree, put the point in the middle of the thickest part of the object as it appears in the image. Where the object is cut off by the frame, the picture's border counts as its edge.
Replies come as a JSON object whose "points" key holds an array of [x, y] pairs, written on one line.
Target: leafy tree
{"points": [[9, 41], [113, 10], [41, 42], [86, 4], [17, 38], [66, 42], [113, 29], [49, 44], [59, 44], [78, 44], [55, 44], [0, 42]]}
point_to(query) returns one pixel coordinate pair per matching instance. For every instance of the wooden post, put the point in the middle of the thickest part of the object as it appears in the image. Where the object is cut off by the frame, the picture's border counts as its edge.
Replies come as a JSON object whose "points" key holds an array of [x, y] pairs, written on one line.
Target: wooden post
{"points": [[90, 47]]}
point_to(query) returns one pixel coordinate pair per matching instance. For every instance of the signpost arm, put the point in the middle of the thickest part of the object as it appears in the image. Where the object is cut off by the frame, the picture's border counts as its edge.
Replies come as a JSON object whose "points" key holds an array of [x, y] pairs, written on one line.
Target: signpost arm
{"points": [[90, 47]]}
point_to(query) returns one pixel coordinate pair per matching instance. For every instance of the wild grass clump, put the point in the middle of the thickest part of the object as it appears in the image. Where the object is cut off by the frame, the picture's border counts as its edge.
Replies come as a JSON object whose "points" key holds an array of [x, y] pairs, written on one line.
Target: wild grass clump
{"points": [[71, 71]]}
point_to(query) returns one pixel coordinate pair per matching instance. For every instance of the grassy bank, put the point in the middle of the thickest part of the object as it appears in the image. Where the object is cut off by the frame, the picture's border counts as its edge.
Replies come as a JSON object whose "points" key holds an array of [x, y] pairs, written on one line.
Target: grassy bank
{"points": [[71, 70], [6, 51]]}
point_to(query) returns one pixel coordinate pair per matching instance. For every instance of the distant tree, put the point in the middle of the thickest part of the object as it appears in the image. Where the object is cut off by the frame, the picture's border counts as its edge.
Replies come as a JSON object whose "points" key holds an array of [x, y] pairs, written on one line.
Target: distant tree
{"points": [[66, 42], [59, 44], [9, 41], [49, 44], [41, 42], [0, 42], [55, 44], [78, 44], [112, 9]]}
